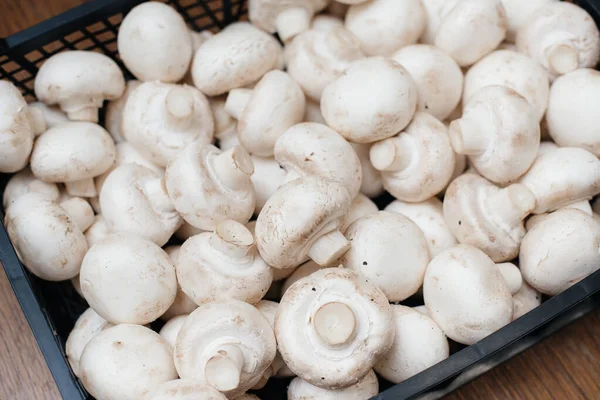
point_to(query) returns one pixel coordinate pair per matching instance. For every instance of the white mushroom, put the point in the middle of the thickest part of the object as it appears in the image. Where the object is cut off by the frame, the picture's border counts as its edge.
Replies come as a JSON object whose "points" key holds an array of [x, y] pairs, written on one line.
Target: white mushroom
{"points": [[114, 112], [24, 182], [533, 220], [525, 300], [127, 279], [372, 184], [154, 43], [160, 119], [332, 327], [361, 207], [227, 345], [466, 294], [223, 121], [126, 362], [96, 232], [80, 211], [171, 328], [486, 216], [317, 150], [306, 269], [181, 389], [374, 99], [51, 114], [512, 275], [223, 265], [88, 325], [182, 304], [268, 176], [519, 13], [418, 163], [186, 231], [418, 344], [562, 37], [198, 39], [79, 82], [366, 388], [208, 186]]}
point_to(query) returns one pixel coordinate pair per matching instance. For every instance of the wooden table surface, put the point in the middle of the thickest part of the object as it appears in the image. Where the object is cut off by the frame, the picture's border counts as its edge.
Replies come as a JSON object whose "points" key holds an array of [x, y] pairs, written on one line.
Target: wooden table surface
{"points": [[565, 366]]}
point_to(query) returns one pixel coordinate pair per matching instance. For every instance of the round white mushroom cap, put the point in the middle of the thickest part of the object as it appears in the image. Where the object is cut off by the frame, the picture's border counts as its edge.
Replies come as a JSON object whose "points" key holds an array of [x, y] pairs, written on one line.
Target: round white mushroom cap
{"points": [[171, 328], [24, 182], [518, 14], [16, 129], [361, 207], [88, 325], [512, 275], [366, 388], [51, 114], [181, 389], [97, 231]]}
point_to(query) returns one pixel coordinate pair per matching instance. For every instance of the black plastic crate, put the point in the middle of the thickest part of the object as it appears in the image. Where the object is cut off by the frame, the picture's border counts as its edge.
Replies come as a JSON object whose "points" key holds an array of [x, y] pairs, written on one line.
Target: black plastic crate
{"points": [[52, 308]]}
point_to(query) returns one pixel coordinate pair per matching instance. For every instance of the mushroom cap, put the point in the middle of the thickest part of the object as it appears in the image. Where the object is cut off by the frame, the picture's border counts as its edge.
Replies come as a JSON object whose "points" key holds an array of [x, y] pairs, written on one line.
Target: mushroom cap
{"points": [[276, 103], [160, 119], [32, 223], [231, 323], [364, 318], [500, 133], [438, 77], [154, 43], [127, 279], [24, 182], [571, 116], [425, 150], [134, 200], [302, 271], [361, 207], [560, 251], [97, 231], [374, 99], [519, 13], [314, 149], [171, 328], [317, 57], [298, 215], [268, 176], [390, 251], [372, 184], [238, 55], [563, 176], [428, 215], [384, 26], [180, 389], [52, 115], [114, 112], [182, 304], [512, 69], [140, 360], [264, 13], [78, 80], [205, 191], [72, 151], [466, 294], [562, 37], [488, 217], [209, 272], [512, 276], [88, 325], [16, 130], [366, 388], [526, 299], [418, 344]]}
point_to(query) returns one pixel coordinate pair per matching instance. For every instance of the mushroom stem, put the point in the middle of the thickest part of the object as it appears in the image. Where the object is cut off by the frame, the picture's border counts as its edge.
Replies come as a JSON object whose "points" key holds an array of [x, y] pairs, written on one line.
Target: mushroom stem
{"points": [[233, 167], [393, 154], [80, 211], [232, 239], [328, 248], [179, 104], [292, 21], [223, 369], [335, 323], [466, 137], [236, 102], [156, 193], [512, 204], [89, 114], [82, 188], [37, 121], [562, 59]]}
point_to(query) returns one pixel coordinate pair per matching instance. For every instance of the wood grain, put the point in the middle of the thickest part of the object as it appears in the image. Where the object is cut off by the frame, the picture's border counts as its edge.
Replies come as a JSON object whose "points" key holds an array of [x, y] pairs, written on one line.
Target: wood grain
{"points": [[565, 366]]}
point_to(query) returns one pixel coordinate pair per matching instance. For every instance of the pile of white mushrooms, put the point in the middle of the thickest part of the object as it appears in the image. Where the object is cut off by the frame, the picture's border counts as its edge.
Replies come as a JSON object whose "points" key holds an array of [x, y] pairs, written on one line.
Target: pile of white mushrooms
{"points": [[441, 103]]}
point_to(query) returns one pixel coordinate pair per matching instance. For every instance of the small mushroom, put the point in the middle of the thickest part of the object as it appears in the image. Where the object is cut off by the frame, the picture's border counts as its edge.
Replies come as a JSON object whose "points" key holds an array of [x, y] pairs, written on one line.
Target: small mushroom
{"points": [[88, 325], [160, 119], [290, 229], [96, 232], [418, 344], [519, 13], [390, 251], [140, 360], [374, 99], [181, 389], [361, 207], [154, 43], [418, 163], [127, 279], [33, 222], [208, 186], [302, 271], [315, 149], [223, 265], [384, 26], [317, 57], [512, 69], [171, 328], [533, 220], [332, 327], [366, 388], [372, 184], [486, 216], [571, 116], [525, 300], [562, 37], [287, 18], [438, 77], [182, 304], [134, 200], [51, 114], [268, 176], [24, 182], [429, 217], [561, 177], [227, 345], [114, 112], [499, 132], [466, 294], [275, 104], [238, 55], [512, 275], [560, 251], [86, 151], [79, 82]]}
